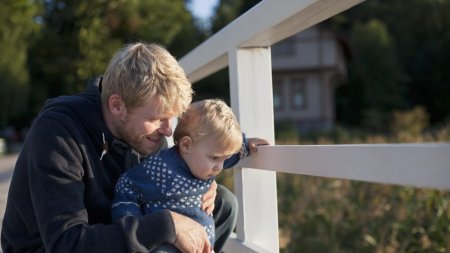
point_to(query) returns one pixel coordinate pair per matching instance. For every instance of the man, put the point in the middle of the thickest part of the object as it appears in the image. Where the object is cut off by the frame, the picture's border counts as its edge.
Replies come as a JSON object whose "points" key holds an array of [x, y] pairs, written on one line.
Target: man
{"points": [[62, 188]]}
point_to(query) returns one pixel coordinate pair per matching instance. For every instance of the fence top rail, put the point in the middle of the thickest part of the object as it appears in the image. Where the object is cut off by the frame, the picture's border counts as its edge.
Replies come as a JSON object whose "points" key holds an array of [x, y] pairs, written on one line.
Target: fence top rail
{"points": [[417, 165], [262, 26]]}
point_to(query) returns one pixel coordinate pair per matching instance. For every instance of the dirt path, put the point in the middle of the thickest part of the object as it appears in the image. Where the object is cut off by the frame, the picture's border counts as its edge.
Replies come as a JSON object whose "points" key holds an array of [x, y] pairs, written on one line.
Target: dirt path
{"points": [[7, 163]]}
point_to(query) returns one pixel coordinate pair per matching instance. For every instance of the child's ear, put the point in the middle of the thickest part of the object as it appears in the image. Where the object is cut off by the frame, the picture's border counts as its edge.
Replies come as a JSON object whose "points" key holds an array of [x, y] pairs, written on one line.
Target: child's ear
{"points": [[185, 144]]}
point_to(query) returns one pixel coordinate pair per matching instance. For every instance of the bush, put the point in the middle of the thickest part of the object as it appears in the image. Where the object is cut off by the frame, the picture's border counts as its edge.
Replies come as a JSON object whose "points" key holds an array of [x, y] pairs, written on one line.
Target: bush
{"points": [[409, 125], [286, 132]]}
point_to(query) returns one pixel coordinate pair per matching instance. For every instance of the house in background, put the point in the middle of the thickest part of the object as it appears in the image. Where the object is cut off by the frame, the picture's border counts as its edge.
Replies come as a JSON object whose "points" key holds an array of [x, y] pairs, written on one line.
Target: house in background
{"points": [[306, 69]]}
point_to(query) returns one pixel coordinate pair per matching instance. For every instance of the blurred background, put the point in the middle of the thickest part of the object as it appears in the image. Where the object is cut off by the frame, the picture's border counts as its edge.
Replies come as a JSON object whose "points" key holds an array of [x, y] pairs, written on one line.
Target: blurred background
{"points": [[378, 73]]}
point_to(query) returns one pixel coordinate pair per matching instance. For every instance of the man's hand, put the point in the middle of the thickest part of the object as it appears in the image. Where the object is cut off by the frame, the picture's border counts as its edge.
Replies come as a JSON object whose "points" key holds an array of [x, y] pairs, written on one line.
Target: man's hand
{"points": [[191, 236], [208, 198]]}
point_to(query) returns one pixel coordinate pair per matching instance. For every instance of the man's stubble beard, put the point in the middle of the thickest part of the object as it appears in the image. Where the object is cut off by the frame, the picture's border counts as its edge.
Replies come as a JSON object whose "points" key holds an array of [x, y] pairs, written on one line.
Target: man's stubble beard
{"points": [[126, 134], [135, 141]]}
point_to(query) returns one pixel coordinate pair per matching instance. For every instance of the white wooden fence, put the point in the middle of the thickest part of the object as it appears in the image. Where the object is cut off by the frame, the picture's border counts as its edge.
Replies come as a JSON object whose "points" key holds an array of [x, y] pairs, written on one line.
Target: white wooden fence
{"points": [[244, 46]]}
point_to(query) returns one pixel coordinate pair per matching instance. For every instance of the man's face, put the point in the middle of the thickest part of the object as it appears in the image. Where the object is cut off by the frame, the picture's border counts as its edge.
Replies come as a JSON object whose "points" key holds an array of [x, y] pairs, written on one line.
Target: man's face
{"points": [[144, 128]]}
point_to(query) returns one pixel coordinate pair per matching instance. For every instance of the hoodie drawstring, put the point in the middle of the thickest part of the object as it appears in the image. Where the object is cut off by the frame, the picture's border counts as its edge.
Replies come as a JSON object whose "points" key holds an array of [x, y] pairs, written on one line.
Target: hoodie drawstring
{"points": [[105, 147]]}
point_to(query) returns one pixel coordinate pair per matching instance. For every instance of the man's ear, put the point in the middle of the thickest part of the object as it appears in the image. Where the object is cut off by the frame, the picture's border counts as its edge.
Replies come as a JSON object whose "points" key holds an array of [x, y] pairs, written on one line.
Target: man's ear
{"points": [[185, 144], [116, 105]]}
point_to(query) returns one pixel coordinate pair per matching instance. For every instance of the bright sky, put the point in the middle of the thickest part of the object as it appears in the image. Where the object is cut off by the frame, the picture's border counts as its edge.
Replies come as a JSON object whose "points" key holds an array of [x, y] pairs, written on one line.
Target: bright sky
{"points": [[203, 8]]}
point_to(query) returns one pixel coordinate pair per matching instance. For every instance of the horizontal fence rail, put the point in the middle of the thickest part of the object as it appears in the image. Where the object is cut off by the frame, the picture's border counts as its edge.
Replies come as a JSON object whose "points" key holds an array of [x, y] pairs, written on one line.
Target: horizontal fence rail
{"points": [[265, 24], [416, 165], [244, 46]]}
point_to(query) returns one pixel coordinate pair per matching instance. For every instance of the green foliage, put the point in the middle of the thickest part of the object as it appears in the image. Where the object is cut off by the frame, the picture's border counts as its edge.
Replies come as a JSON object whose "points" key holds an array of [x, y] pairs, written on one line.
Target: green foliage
{"points": [[375, 77], [407, 125], [410, 45], [226, 12], [326, 215], [286, 131], [95, 43], [79, 38], [17, 30]]}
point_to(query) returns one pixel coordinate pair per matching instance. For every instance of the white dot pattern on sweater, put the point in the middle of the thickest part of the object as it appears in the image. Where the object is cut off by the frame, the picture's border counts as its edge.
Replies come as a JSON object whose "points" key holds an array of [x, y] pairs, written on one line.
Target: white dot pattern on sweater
{"points": [[174, 191]]}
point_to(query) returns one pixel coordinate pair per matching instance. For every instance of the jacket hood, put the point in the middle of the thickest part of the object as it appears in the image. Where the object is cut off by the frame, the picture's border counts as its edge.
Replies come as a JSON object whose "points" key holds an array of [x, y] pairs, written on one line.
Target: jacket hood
{"points": [[84, 108]]}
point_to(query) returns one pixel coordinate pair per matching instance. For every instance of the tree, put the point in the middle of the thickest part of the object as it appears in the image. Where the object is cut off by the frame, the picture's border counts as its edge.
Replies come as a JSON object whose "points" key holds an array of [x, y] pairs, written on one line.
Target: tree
{"points": [[375, 85], [79, 38], [17, 31], [419, 43]]}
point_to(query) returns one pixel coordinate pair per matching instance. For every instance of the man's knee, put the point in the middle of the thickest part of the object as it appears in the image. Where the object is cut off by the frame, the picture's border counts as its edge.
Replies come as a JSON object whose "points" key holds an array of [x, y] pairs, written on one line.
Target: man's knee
{"points": [[226, 202], [165, 248]]}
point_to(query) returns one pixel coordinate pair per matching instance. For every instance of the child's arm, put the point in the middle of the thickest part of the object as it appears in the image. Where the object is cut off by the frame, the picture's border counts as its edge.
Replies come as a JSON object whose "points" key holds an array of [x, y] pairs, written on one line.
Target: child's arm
{"points": [[249, 146], [126, 199]]}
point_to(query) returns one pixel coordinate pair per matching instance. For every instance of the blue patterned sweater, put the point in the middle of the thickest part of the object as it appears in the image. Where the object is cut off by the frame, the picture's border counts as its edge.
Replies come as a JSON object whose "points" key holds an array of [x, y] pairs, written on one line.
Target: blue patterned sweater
{"points": [[164, 181]]}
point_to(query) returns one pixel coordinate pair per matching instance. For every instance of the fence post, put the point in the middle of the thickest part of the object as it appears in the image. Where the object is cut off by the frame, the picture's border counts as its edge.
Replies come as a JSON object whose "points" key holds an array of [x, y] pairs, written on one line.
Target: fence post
{"points": [[252, 102]]}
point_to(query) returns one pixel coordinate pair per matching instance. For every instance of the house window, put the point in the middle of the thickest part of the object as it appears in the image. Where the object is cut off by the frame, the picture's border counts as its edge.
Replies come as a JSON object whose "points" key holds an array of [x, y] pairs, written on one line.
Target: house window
{"points": [[277, 95], [297, 98]]}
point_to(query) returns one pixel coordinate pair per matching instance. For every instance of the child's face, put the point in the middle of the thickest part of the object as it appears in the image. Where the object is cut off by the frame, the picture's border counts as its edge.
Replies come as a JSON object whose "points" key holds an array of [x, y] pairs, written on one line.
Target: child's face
{"points": [[205, 157]]}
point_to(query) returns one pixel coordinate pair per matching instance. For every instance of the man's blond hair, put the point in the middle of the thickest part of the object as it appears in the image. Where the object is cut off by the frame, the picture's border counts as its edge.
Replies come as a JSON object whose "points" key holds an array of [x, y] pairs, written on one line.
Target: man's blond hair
{"points": [[139, 71], [210, 117]]}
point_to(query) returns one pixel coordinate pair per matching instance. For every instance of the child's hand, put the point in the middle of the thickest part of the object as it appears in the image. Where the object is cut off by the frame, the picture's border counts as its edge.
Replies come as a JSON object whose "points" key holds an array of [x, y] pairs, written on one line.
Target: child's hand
{"points": [[254, 142], [209, 197]]}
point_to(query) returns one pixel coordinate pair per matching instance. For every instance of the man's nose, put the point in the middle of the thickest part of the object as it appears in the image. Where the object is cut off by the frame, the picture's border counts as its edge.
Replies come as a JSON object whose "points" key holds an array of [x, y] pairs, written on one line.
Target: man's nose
{"points": [[166, 127]]}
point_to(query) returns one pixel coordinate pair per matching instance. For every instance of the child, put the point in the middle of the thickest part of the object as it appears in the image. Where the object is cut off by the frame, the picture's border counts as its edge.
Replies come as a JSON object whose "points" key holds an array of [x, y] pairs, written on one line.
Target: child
{"points": [[207, 139]]}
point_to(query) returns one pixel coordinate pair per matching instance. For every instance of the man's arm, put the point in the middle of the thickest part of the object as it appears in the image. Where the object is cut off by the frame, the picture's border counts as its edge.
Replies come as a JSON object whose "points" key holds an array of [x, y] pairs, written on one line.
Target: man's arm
{"points": [[191, 236], [57, 191]]}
